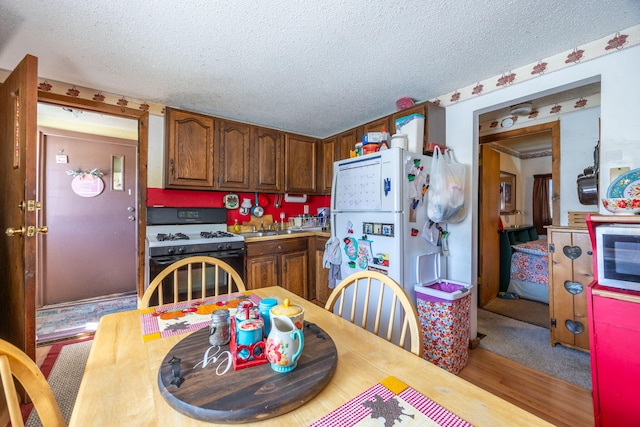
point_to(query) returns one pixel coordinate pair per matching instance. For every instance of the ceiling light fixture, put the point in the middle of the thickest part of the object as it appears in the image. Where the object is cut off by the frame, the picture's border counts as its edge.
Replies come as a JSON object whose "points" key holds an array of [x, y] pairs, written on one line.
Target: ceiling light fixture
{"points": [[522, 109]]}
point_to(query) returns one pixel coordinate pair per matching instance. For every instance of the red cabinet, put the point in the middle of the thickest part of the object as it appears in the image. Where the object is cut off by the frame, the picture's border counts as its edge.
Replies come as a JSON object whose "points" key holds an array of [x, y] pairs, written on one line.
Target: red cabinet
{"points": [[614, 317]]}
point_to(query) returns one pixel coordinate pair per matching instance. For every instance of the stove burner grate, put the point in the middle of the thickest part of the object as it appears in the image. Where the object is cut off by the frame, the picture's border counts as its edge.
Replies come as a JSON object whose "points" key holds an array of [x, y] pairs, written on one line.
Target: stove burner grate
{"points": [[215, 234], [162, 237]]}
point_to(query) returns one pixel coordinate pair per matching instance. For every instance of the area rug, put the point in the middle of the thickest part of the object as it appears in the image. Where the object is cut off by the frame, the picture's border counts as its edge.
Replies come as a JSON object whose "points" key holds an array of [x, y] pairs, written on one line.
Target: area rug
{"points": [[67, 320], [529, 345], [63, 367], [534, 312]]}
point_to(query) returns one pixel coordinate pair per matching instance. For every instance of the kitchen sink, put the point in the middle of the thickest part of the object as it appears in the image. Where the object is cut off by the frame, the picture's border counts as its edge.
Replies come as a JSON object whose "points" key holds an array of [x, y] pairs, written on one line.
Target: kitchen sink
{"points": [[269, 233]]}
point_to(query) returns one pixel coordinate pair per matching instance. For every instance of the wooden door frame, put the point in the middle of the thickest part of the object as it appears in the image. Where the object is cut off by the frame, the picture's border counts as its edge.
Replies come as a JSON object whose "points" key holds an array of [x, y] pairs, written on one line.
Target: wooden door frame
{"points": [[486, 296], [143, 137], [554, 128]]}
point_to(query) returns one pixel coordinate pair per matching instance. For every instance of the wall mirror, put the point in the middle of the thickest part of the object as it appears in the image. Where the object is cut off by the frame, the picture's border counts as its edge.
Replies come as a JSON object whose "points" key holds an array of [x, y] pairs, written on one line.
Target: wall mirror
{"points": [[507, 192]]}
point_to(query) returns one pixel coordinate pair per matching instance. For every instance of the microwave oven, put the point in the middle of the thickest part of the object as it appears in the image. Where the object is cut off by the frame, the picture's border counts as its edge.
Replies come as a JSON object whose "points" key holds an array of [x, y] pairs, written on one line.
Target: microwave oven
{"points": [[618, 255]]}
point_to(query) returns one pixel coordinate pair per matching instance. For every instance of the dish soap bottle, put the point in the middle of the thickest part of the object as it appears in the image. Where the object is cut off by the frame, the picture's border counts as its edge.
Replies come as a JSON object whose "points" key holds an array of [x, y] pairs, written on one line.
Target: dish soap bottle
{"points": [[236, 226]]}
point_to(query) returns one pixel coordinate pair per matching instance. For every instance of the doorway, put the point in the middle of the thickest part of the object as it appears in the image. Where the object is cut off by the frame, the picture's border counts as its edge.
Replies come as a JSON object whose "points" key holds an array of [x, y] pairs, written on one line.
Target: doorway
{"points": [[88, 188], [489, 206]]}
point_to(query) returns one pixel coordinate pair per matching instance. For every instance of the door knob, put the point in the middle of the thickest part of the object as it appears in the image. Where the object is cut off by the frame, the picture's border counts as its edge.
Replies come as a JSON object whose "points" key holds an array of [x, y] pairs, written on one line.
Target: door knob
{"points": [[131, 209], [131, 218], [15, 231]]}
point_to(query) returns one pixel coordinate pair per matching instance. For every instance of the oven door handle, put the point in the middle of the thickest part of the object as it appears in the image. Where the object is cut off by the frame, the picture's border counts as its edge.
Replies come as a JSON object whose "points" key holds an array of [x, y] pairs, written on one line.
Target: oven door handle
{"points": [[228, 254], [165, 260]]}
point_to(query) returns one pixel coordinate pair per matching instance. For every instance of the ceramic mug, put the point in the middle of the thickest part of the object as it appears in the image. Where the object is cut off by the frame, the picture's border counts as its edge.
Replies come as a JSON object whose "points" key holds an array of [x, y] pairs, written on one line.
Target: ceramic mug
{"points": [[284, 344]]}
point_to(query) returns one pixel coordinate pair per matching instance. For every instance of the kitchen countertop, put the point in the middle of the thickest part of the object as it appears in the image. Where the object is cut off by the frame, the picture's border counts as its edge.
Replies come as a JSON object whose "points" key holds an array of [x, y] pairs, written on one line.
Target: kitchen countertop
{"points": [[287, 236]]}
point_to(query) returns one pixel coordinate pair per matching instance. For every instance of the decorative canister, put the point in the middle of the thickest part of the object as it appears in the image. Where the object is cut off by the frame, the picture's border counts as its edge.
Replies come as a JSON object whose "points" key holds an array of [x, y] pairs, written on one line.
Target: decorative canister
{"points": [[399, 140], [219, 333], [264, 307], [292, 311]]}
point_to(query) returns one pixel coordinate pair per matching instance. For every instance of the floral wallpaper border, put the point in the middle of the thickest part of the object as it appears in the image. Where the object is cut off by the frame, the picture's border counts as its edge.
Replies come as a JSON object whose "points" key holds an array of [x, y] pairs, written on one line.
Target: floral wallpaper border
{"points": [[620, 40], [604, 46]]}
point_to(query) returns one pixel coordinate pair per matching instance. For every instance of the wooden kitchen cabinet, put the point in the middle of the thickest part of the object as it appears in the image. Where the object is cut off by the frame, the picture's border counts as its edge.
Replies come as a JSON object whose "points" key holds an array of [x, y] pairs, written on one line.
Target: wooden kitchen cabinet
{"points": [[615, 344], [300, 162], [232, 150], [267, 160], [345, 144], [326, 157], [319, 288], [570, 272], [189, 139], [434, 123], [278, 262], [379, 125]]}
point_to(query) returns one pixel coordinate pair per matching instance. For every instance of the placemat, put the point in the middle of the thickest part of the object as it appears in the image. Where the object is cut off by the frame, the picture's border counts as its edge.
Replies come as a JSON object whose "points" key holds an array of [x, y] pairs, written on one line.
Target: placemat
{"points": [[390, 403], [188, 316]]}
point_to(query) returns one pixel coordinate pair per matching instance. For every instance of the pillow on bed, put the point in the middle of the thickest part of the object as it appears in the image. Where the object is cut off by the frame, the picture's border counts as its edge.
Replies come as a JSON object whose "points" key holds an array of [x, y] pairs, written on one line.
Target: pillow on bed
{"points": [[535, 247]]}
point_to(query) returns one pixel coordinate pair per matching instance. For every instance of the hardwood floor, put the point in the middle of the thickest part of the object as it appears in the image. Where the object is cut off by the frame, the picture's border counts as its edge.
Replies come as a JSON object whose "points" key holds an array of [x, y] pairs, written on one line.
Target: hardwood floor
{"points": [[554, 400]]}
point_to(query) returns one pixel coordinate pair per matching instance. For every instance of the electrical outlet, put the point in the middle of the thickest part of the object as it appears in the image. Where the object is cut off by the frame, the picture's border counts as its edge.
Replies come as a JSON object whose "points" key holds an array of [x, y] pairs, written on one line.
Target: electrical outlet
{"points": [[306, 209]]}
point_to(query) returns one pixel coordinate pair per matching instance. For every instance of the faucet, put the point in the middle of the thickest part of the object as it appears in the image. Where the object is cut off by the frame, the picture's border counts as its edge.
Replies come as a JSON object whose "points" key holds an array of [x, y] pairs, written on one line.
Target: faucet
{"points": [[261, 225]]}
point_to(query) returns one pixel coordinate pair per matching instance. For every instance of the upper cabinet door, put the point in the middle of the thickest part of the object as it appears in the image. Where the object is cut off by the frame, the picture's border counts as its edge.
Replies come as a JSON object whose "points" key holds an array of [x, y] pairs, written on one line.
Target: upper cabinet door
{"points": [[326, 157], [189, 150], [232, 155], [300, 164], [346, 143], [267, 164]]}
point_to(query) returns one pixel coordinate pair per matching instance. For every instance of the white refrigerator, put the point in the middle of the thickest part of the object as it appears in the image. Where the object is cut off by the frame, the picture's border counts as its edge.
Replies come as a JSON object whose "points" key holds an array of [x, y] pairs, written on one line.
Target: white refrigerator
{"points": [[378, 211]]}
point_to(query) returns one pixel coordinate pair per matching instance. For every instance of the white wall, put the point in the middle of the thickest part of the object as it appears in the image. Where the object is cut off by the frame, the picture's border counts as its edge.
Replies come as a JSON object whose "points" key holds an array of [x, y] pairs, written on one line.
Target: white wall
{"points": [[620, 133], [578, 136], [524, 169], [531, 167], [155, 161]]}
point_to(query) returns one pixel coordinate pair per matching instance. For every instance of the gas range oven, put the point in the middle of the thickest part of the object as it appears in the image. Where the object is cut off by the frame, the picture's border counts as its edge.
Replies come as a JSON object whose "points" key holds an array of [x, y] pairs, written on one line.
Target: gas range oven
{"points": [[177, 233]]}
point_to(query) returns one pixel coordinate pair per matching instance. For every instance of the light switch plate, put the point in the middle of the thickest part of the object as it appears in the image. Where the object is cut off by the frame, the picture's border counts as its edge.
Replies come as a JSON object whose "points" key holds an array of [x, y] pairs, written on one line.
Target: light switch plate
{"points": [[616, 172]]}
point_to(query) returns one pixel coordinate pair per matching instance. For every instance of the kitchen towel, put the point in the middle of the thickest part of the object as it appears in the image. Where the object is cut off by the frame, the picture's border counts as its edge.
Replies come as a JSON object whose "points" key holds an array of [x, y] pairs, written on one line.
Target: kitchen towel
{"points": [[332, 259]]}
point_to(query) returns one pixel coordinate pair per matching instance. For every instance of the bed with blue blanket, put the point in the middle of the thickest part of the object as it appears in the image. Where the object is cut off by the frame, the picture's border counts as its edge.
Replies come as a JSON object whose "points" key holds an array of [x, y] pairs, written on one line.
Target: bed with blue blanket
{"points": [[524, 263]]}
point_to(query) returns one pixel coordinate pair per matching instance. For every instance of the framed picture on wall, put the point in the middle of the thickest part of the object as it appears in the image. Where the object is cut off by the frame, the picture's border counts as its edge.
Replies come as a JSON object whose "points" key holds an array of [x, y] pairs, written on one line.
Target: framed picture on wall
{"points": [[507, 192]]}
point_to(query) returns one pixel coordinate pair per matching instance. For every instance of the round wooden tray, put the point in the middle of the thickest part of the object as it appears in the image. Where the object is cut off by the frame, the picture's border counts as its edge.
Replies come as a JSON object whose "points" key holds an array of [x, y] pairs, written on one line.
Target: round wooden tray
{"points": [[215, 394]]}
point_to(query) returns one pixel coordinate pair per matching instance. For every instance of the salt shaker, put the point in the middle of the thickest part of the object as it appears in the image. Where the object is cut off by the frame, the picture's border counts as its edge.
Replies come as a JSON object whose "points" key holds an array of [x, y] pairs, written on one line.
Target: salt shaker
{"points": [[219, 333]]}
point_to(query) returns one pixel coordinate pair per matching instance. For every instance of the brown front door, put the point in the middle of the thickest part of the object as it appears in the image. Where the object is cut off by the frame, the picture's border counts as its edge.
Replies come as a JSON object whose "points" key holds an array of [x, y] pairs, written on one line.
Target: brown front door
{"points": [[90, 250], [18, 140]]}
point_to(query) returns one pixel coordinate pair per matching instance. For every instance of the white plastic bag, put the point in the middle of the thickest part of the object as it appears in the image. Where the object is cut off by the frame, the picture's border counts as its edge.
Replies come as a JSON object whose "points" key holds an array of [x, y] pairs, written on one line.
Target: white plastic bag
{"points": [[445, 199]]}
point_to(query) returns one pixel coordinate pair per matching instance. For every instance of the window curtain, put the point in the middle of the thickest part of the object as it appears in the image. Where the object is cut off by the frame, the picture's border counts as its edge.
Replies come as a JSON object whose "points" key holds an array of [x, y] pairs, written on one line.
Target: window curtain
{"points": [[541, 207]]}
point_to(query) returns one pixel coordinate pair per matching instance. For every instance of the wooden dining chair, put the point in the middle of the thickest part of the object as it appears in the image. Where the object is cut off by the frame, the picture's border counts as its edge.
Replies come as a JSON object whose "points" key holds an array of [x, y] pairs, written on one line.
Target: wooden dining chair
{"points": [[15, 363], [364, 304], [183, 281]]}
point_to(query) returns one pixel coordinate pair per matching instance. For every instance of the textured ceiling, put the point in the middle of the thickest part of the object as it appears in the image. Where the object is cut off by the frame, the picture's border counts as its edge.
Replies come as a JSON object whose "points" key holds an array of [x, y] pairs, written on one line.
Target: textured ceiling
{"points": [[310, 67]]}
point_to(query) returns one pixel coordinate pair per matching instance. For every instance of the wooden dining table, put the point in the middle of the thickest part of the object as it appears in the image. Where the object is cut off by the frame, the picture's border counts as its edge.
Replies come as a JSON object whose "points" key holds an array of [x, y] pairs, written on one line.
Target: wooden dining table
{"points": [[120, 383]]}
